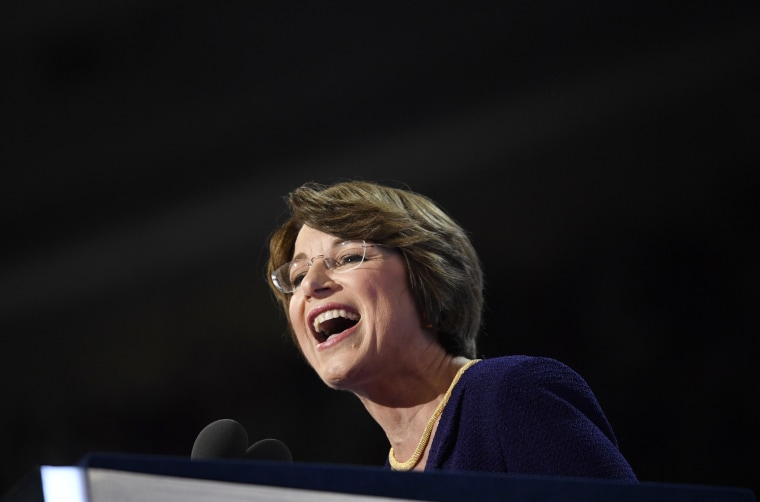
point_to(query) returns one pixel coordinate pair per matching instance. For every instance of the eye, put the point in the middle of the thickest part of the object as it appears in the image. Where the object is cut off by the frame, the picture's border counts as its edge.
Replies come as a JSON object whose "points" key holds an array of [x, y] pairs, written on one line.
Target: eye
{"points": [[297, 273], [350, 257], [297, 279]]}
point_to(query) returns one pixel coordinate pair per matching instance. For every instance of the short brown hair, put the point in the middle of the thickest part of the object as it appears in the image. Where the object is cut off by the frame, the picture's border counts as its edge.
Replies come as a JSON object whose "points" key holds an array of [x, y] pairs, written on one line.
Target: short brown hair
{"points": [[445, 274]]}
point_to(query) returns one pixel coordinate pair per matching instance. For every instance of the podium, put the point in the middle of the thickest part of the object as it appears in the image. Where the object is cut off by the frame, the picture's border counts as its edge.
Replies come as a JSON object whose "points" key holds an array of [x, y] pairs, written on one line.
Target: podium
{"points": [[100, 477]]}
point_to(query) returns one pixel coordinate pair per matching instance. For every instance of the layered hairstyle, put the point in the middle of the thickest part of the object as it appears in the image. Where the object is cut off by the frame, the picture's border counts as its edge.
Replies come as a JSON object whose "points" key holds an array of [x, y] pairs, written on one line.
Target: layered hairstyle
{"points": [[445, 273]]}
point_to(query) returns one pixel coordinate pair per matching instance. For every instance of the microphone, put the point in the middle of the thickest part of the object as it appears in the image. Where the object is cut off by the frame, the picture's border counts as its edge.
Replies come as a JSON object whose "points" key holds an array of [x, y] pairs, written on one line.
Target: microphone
{"points": [[226, 438], [269, 449]]}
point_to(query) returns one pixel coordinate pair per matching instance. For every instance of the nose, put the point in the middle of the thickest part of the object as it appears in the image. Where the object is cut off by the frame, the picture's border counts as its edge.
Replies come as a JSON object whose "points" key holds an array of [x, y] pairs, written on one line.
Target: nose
{"points": [[317, 279]]}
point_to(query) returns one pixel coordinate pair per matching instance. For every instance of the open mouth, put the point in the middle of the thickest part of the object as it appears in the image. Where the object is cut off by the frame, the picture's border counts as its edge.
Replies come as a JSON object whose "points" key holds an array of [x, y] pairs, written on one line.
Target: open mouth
{"points": [[332, 322]]}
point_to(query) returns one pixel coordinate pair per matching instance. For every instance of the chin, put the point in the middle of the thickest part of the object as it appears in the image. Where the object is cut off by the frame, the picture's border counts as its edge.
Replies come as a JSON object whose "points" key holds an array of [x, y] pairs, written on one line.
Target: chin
{"points": [[336, 376]]}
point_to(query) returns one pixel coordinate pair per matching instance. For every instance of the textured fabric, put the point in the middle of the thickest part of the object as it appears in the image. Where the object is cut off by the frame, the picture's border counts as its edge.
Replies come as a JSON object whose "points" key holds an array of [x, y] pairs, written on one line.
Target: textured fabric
{"points": [[526, 415]]}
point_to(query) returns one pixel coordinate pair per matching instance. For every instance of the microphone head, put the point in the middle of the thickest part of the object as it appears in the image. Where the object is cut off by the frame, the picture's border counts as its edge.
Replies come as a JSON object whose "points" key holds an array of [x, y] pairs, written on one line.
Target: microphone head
{"points": [[224, 438], [269, 449]]}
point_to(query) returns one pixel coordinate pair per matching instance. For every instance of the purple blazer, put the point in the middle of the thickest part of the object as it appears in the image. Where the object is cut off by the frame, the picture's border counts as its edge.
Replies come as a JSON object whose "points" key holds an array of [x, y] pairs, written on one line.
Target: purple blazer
{"points": [[526, 415]]}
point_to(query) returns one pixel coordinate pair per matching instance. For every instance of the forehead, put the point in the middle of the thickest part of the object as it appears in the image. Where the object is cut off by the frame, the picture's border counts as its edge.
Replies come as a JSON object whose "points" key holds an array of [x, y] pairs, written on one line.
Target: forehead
{"points": [[310, 240]]}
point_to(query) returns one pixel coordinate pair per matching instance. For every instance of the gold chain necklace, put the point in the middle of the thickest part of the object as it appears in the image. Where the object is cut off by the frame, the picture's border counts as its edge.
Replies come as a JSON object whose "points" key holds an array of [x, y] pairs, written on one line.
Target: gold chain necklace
{"points": [[415, 458]]}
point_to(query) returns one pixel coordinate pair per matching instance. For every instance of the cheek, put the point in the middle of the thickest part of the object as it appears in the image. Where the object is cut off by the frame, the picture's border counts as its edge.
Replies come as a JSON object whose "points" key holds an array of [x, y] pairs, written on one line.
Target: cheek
{"points": [[292, 310], [395, 304], [297, 320]]}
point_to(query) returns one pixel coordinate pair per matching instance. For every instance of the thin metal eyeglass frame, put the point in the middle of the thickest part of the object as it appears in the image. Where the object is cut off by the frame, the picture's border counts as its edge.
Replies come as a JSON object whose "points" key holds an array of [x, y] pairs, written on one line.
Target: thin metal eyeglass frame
{"points": [[328, 261]]}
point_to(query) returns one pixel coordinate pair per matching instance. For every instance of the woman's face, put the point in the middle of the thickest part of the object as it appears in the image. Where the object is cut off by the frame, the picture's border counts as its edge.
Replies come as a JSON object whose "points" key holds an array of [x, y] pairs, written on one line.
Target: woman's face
{"points": [[375, 322]]}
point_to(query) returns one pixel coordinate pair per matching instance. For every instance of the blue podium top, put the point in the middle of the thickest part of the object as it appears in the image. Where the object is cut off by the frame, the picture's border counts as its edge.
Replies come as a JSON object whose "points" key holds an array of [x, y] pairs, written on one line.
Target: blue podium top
{"points": [[432, 486]]}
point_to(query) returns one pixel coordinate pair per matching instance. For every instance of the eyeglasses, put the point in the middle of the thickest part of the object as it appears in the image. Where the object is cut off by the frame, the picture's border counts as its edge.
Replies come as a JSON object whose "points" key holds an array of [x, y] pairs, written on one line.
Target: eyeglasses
{"points": [[343, 257]]}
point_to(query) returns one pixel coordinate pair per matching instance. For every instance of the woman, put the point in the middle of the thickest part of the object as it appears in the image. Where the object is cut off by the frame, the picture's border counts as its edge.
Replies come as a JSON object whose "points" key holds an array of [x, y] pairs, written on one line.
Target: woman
{"points": [[384, 294]]}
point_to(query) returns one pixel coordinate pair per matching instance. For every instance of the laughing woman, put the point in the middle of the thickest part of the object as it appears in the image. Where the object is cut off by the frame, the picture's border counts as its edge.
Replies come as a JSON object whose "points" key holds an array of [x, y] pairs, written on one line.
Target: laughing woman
{"points": [[384, 295]]}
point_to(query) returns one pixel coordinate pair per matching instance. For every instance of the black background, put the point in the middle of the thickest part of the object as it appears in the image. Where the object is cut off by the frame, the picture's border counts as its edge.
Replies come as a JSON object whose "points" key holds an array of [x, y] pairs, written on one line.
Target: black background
{"points": [[603, 157]]}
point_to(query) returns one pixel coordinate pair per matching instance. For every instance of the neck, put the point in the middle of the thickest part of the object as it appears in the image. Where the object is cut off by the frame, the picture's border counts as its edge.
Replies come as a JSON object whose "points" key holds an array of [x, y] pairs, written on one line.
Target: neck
{"points": [[417, 394]]}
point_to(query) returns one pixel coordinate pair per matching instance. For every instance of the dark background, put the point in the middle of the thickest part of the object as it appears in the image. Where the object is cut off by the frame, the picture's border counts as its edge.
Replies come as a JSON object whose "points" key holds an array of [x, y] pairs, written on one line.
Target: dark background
{"points": [[603, 157]]}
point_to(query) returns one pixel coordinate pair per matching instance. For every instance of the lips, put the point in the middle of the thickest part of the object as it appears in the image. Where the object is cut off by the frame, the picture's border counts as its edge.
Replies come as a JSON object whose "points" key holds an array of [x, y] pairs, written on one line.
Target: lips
{"points": [[332, 321]]}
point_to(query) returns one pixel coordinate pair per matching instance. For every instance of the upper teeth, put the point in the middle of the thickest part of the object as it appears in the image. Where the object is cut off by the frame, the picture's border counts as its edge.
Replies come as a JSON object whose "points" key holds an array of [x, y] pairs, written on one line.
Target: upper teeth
{"points": [[332, 314]]}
